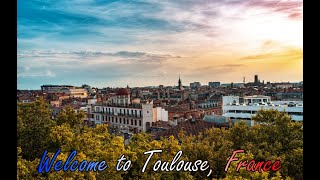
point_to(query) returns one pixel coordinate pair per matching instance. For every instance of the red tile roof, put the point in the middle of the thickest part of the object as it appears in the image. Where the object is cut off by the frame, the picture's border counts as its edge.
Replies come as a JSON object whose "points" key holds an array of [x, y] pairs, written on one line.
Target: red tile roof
{"points": [[122, 91], [188, 126]]}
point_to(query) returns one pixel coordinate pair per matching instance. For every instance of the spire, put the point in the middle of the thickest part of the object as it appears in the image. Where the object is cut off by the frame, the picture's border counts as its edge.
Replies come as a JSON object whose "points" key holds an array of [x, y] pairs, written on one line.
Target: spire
{"points": [[180, 84]]}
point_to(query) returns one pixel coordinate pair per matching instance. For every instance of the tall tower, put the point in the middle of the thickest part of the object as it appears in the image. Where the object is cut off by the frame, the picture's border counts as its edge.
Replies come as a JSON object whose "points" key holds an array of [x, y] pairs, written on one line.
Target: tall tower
{"points": [[180, 84], [256, 80], [244, 80]]}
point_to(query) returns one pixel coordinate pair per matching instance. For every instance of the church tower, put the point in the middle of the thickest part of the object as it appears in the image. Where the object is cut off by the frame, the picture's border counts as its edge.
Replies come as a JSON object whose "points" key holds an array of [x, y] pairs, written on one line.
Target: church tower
{"points": [[180, 87]]}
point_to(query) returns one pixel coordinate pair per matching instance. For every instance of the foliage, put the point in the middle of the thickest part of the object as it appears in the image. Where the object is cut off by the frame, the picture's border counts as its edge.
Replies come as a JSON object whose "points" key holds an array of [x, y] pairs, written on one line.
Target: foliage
{"points": [[33, 125], [276, 138]]}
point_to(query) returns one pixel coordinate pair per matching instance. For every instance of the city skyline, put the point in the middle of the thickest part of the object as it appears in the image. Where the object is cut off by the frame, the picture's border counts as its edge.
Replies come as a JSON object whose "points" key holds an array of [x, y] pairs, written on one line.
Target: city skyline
{"points": [[148, 43]]}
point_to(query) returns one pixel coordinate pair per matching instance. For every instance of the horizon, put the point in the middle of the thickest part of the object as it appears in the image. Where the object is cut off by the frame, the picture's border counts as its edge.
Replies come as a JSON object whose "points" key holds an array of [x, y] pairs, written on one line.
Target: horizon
{"points": [[188, 84], [148, 43]]}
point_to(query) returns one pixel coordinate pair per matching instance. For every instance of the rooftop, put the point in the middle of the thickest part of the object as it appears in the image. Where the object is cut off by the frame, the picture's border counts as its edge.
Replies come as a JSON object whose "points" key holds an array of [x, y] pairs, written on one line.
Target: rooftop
{"points": [[122, 92], [190, 126]]}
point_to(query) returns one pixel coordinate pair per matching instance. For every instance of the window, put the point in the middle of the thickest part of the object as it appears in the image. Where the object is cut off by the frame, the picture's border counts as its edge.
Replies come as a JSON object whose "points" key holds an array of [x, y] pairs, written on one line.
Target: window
{"points": [[127, 121], [127, 111], [131, 112], [120, 121], [135, 122], [116, 120], [131, 121], [139, 122], [109, 118], [140, 113], [112, 119]]}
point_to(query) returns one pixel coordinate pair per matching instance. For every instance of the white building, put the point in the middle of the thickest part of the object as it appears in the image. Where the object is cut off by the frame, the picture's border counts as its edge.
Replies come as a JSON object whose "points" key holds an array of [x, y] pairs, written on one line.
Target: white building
{"points": [[124, 114], [80, 93], [160, 114], [251, 104], [72, 91], [92, 101]]}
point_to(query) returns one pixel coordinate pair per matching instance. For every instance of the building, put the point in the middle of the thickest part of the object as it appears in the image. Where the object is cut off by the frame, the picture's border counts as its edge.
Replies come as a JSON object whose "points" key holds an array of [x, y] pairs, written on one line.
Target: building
{"points": [[214, 84], [256, 82], [160, 114], [71, 91], [195, 85], [125, 114], [55, 88], [77, 93], [232, 85], [283, 85], [256, 79], [232, 108], [180, 87]]}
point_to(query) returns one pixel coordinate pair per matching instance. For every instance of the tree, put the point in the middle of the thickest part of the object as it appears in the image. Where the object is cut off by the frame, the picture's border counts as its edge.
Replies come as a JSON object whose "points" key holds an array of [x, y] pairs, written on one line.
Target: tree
{"points": [[277, 138], [68, 115], [33, 125]]}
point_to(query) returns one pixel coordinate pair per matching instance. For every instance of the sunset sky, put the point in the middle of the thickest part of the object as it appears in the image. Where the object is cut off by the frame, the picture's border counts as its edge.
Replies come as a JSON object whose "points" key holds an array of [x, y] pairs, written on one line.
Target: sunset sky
{"points": [[150, 42]]}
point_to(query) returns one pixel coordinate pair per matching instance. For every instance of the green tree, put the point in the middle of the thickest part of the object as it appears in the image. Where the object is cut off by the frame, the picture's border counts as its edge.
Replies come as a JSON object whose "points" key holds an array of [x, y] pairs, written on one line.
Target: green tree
{"points": [[33, 126], [277, 137], [71, 117]]}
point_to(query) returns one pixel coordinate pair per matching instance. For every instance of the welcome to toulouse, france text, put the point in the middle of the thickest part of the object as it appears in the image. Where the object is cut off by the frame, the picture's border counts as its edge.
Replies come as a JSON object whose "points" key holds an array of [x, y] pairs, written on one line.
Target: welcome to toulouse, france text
{"points": [[46, 164]]}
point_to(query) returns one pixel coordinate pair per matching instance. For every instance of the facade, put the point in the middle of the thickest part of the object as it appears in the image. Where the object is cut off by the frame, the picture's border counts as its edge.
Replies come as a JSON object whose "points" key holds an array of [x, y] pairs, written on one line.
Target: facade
{"points": [[256, 79], [232, 108], [124, 114], [195, 85], [72, 91], [214, 84], [160, 114], [284, 85], [77, 93], [55, 88], [135, 119]]}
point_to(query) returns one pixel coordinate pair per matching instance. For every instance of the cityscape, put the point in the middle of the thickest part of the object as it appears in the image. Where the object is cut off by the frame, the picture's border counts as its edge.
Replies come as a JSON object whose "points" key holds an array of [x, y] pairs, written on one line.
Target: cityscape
{"points": [[147, 89], [166, 110]]}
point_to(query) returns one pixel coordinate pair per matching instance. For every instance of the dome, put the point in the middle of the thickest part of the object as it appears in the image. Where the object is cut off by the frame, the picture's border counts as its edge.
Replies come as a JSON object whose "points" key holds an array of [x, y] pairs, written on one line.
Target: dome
{"points": [[122, 92]]}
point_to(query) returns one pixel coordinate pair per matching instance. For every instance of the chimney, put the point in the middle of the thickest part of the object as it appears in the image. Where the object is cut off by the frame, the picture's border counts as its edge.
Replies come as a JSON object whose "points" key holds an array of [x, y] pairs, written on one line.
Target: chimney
{"points": [[175, 122]]}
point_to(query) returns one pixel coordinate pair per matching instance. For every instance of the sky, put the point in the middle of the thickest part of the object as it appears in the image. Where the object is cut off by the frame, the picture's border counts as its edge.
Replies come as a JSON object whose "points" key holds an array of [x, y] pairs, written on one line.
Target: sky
{"points": [[106, 43]]}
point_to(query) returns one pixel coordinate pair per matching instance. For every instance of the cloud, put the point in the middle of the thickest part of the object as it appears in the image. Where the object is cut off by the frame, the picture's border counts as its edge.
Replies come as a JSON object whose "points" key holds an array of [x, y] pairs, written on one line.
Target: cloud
{"points": [[35, 74], [93, 54], [284, 54], [293, 9], [224, 68], [147, 41]]}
